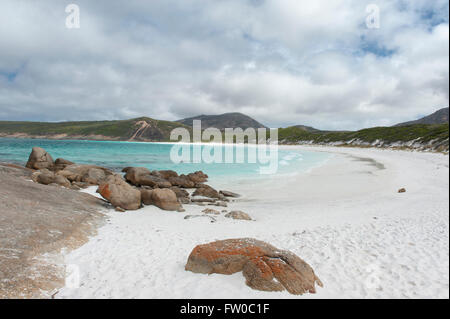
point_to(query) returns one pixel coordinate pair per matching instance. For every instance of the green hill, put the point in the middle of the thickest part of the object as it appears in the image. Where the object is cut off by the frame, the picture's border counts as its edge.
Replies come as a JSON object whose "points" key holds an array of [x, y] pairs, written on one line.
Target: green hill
{"points": [[418, 135], [138, 129]]}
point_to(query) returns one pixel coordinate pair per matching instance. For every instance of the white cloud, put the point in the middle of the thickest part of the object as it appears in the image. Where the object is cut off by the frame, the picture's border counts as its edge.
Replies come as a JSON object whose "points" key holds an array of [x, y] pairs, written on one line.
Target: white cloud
{"points": [[280, 61]]}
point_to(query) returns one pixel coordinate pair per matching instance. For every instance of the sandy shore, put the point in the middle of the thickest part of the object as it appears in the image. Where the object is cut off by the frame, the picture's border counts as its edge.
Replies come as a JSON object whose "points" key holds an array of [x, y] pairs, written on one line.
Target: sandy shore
{"points": [[345, 219]]}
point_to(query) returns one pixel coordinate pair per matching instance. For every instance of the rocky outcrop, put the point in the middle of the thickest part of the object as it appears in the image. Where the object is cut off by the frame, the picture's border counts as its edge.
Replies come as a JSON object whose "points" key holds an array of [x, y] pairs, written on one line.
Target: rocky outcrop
{"points": [[119, 193], [141, 176], [39, 159], [36, 219], [264, 266], [123, 192], [237, 214], [90, 174]]}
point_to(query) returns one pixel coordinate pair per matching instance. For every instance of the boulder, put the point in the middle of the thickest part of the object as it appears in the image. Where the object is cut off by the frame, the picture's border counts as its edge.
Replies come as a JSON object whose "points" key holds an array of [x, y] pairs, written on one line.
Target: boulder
{"points": [[264, 266], [90, 174], [166, 174], [119, 193], [62, 181], [165, 199], [198, 177], [206, 191], [141, 176], [133, 173], [181, 181], [94, 176], [229, 194], [237, 214], [47, 177], [153, 181], [81, 185], [61, 163], [39, 159], [182, 194], [146, 196]]}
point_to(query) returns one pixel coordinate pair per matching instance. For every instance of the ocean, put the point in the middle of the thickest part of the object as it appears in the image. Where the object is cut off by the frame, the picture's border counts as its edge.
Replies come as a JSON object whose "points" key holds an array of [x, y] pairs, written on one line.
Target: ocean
{"points": [[156, 156]]}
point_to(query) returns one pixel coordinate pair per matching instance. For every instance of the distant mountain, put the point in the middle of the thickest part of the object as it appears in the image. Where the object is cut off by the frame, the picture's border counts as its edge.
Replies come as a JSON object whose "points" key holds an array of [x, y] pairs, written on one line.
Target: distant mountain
{"points": [[138, 129], [438, 117], [222, 121]]}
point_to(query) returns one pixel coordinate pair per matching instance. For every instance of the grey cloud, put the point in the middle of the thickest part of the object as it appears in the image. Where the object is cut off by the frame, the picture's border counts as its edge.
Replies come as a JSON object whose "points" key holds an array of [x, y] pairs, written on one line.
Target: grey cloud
{"points": [[280, 61]]}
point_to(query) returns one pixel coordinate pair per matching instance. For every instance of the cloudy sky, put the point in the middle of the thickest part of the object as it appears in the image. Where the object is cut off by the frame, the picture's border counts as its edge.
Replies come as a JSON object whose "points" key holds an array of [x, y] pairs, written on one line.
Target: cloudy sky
{"points": [[282, 62]]}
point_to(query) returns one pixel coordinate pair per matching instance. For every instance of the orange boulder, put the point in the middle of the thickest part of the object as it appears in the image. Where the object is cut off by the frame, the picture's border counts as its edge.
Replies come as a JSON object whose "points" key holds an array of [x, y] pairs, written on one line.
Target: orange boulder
{"points": [[260, 262]]}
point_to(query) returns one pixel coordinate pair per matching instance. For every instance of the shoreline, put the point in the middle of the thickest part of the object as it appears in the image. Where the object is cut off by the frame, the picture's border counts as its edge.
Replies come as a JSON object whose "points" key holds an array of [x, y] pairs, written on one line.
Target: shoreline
{"points": [[305, 145], [347, 221]]}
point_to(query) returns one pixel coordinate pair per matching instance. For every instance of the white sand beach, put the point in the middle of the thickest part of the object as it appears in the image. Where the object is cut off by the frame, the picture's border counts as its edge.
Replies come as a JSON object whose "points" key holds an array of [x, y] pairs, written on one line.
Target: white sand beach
{"points": [[345, 218]]}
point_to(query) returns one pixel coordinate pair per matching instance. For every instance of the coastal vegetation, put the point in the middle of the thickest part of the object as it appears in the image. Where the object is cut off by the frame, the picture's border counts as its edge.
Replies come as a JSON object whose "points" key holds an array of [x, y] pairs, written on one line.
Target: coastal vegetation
{"points": [[422, 136], [423, 132]]}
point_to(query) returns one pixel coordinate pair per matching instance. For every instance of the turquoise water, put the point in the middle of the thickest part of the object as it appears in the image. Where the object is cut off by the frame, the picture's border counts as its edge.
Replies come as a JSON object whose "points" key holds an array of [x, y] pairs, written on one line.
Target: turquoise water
{"points": [[116, 155]]}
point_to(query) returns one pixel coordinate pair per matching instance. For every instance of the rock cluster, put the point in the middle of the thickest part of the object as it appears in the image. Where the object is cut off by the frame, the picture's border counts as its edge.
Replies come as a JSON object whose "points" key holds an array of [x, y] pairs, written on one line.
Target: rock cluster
{"points": [[138, 186], [264, 266]]}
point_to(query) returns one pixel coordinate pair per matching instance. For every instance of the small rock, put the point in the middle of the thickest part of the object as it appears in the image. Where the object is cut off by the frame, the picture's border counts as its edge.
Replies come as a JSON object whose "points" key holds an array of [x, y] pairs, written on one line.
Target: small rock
{"points": [[212, 219], [210, 211], [237, 214], [221, 204], [203, 200], [402, 190], [229, 194]]}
